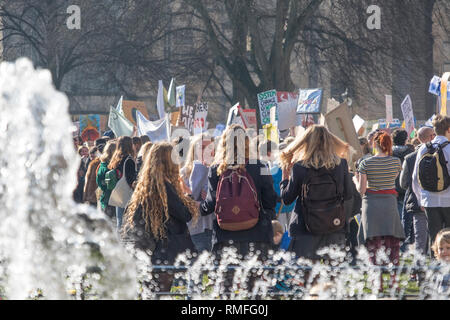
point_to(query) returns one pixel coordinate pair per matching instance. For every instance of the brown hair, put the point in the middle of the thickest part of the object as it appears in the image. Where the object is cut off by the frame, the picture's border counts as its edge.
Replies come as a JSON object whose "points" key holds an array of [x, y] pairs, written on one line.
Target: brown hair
{"points": [[151, 194], [441, 124], [124, 149], [383, 141], [442, 236]]}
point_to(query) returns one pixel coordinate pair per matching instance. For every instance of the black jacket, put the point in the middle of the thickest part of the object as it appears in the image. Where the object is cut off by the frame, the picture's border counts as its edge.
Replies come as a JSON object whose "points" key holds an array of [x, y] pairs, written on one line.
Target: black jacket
{"points": [[267, 196], [177, 238], [412, 205], [400, 152], [291, 190]]}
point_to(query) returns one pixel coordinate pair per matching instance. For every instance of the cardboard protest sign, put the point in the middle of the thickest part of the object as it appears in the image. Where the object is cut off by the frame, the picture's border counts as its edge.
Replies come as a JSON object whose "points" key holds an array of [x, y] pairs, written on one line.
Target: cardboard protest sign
{"points": [[408, 114], [287, 109], [271, 133], [187, 117], [340, 123], [174, 118], [90, 127], [129, 109], [201, 113], [309, 101], [266, 101], [389, 112]]}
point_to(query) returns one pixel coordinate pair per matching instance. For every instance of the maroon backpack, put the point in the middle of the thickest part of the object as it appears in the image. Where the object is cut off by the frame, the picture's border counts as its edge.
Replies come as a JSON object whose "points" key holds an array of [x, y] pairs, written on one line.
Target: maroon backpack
{"points": [[237, 206]]}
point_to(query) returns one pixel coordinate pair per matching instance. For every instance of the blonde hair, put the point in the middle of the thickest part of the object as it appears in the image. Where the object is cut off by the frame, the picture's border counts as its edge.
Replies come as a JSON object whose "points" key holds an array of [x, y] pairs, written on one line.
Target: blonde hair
{"points": [[232, 151], [150, 193], [316, 148], [442, 236], [108, 152]]}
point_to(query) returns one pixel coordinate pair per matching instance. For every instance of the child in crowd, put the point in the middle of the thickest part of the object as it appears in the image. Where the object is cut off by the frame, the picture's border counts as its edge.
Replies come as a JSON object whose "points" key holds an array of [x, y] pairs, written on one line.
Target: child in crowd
{"points": [[441, 249]]}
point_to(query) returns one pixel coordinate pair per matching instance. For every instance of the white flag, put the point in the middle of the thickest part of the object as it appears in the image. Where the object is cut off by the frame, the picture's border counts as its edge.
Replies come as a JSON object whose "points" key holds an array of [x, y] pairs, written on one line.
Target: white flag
{"points": [[160, 101], [156, 130], [119, 106], [120, 125]]}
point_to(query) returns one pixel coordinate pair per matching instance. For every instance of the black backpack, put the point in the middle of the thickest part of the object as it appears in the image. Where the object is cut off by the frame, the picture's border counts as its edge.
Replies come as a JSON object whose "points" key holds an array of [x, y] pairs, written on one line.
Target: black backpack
{"points": [[322, 200], [432, 170]]}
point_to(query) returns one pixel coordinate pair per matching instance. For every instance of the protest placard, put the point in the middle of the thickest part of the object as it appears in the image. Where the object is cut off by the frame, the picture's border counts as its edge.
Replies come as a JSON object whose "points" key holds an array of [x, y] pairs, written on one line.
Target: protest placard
{"points": [[90, 127], [444, 92], [201, 113], [408, 114], [234, 115], [287, 109], [309, 101], [129, 109], [249, 118], [266, 101], [187, 117], [389, 113], [181, 96]]}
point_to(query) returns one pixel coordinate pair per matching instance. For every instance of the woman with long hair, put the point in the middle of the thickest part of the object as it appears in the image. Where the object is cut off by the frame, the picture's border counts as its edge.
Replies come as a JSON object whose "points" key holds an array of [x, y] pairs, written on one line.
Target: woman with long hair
{"points": [[122, 160], [317, 152], [157, 214], [380, 226], [233, 153], [105, 158], [194, 175]]}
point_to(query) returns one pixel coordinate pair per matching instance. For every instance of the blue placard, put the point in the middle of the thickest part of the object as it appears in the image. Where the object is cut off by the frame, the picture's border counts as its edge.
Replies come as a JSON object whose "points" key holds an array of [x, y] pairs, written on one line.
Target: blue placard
{"points": [[309, 101]]}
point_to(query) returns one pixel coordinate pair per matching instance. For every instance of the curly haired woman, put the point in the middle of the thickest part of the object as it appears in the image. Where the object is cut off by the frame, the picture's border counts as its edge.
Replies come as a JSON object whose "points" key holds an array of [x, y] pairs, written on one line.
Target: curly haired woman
{"points": [[158, 212]]}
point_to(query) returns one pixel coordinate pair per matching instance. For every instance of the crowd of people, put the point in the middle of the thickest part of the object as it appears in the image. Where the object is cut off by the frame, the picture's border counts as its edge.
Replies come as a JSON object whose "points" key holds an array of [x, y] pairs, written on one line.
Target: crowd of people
{"points": [[238, 190]]}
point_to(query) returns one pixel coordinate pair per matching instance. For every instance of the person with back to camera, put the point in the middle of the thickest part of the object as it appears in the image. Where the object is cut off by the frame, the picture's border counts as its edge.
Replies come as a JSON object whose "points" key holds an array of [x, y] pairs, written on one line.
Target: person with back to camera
{"points": [[122, 161], [431, 177], [315, 173], [105, 158], [380, 226], [243, 219], [418, 228], [155, 220], [401, 150]]}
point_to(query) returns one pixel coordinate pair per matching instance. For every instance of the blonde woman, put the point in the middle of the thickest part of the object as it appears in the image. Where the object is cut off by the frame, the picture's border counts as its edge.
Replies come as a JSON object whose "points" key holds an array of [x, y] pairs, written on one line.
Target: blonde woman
{"points": [[105, 158], [316, 153], [234, 153], [156, 217], [194, 175]]}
